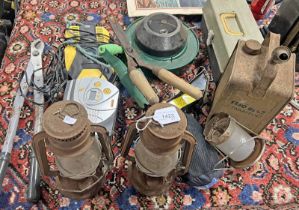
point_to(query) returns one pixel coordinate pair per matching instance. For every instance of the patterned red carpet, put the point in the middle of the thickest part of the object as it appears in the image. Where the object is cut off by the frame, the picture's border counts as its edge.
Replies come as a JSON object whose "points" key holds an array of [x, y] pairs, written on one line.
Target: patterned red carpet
{"points": [[272, 182]]}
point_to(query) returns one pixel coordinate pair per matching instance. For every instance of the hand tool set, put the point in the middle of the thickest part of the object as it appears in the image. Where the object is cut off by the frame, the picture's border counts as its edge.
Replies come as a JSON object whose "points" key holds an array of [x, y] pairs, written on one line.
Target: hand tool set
{"points": [[77, 98]]}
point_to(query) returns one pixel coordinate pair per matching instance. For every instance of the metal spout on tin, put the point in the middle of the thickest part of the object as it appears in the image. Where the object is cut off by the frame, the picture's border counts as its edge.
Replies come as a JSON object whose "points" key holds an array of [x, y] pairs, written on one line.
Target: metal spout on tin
{"points": [[280, 54], [272, 55]]}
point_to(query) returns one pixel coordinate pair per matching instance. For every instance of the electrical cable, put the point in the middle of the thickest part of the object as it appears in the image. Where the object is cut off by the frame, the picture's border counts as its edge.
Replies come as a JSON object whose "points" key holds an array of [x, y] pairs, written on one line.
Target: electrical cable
{"points": [[54, 79], [87, 32], [55, 73]]}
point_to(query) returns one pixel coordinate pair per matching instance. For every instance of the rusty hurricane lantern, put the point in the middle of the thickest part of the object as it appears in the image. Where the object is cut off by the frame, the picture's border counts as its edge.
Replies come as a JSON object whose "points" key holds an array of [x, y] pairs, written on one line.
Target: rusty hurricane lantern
{"points": [[161, 152], [82, 151]]}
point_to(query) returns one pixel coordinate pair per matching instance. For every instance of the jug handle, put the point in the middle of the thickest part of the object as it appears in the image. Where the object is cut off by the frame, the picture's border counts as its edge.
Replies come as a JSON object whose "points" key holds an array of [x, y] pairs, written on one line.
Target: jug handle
{"points": [[38, 143], [188, 151], [103, 138], [132, 131]]}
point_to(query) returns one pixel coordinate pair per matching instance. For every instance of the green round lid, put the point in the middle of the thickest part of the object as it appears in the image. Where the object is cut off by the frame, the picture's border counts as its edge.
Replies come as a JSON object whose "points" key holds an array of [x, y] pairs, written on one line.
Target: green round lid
{"points": [[184, 57]]}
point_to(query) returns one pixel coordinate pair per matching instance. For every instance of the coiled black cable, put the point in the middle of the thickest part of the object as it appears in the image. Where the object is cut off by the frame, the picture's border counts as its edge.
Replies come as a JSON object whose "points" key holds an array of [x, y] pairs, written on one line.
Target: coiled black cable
{"points": [[55, 74]]}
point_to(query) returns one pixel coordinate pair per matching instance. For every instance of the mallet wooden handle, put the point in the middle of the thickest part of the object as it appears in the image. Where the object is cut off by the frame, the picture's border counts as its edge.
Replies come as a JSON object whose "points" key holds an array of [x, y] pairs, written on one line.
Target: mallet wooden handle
{"points": [[138, 79], [171, 79]]}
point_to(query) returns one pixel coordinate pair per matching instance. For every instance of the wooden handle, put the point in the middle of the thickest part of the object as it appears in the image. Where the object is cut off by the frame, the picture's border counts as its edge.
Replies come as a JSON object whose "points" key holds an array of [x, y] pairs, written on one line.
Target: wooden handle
{"points": [[138, 79], [179, 83]]}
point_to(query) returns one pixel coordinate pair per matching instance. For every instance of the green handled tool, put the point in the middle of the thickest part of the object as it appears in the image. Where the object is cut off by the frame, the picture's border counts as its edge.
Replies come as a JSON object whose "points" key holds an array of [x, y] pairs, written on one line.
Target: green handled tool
{"points": [[107, 52], [139, 79]]}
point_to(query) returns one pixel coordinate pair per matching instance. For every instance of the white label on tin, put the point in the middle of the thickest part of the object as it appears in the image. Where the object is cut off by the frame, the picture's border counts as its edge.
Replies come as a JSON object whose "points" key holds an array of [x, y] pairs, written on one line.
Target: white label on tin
{"points": [[69, 120], [166, 116]]}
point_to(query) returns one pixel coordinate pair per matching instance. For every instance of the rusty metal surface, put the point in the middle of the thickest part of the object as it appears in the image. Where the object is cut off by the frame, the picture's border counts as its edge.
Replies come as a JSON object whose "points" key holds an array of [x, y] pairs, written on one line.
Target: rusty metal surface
{"points": [[53, 120], [169, 131]]}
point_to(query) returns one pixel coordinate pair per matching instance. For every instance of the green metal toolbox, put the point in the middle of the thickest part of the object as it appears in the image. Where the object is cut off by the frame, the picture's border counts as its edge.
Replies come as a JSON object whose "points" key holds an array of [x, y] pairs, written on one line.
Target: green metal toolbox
{"points": [[224, 23]]}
